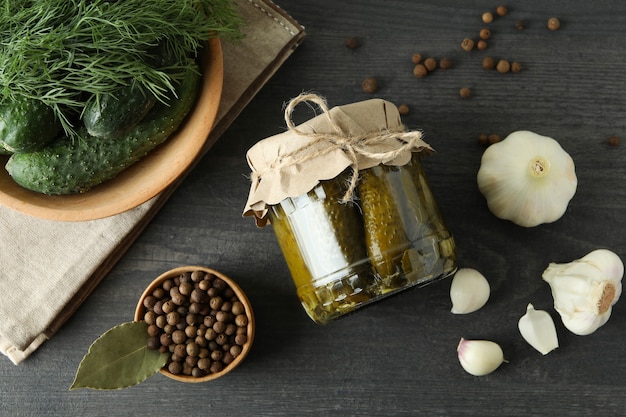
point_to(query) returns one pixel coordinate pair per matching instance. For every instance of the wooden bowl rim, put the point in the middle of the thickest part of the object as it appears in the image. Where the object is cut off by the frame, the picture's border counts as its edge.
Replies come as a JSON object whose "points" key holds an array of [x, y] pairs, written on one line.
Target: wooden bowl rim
{"points": [[141, 181], [172, 273]]}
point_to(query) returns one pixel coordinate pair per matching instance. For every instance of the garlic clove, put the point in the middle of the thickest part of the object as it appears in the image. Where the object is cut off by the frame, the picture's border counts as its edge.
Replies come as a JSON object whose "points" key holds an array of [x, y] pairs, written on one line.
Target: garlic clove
{"points": [[537, 328], [585, 290], [469, 291], [479, 357], [527, 178]]}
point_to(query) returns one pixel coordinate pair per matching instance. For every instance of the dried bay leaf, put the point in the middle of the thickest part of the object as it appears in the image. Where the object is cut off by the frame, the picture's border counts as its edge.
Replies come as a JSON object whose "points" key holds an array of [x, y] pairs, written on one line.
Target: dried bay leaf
{"points": [[119, 358]]}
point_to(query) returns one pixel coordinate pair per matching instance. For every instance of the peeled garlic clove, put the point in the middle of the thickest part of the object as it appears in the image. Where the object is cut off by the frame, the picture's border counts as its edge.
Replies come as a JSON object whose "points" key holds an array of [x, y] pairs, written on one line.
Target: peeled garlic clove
{"points": [[479, 357], [527, 178], [469, 291], [537, 328], [585, 290]]}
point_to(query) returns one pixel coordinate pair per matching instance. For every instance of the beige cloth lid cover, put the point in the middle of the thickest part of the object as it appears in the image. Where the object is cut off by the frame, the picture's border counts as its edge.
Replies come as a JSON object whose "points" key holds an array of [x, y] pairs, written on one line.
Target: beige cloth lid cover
{"points": [[358, 135]]}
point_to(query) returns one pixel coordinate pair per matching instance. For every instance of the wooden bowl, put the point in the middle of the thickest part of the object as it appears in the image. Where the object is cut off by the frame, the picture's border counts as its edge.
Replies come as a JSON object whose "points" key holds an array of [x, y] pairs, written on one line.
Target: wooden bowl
{"points": [[143, 180], [173, 273]]}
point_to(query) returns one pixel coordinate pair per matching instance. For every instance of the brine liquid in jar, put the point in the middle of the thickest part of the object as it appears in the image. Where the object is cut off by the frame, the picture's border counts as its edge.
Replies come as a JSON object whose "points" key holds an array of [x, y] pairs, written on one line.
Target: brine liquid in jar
{"points": [[342, 256]]}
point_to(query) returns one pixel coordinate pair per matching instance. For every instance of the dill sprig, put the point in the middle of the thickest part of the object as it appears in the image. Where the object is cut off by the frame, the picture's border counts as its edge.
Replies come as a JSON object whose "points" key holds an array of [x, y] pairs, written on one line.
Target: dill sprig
{"points": [[65, 52]]}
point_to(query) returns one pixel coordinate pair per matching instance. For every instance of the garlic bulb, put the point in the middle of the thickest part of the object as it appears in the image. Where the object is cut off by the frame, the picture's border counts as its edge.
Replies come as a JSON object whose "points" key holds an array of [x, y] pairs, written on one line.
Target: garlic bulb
{"points": [[469, 291], [527, 178], [479, 357], [537, 328], [585, 290]]}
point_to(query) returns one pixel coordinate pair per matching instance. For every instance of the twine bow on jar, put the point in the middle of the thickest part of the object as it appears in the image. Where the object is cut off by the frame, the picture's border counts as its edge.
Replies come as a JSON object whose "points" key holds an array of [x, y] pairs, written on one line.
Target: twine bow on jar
{"points": [[353, 145]]}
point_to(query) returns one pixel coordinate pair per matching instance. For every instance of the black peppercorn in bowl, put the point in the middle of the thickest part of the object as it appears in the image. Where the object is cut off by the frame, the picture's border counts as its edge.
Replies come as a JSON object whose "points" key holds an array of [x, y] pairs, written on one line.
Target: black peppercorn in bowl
{"points": [[202, 318]]}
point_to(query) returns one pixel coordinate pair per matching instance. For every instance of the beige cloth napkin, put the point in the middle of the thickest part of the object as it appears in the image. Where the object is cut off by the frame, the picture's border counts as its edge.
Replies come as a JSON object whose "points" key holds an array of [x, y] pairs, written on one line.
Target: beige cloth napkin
{"points": [[48, 268]]}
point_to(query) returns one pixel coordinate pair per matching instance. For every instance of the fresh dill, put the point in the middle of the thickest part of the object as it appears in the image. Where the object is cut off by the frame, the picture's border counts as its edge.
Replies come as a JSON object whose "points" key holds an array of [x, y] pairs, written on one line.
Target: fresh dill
{"points": [[65, 52]]}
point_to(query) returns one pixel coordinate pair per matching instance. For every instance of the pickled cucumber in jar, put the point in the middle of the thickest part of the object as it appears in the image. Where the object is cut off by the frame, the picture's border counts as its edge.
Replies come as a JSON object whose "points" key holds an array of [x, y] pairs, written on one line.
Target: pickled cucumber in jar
{"points": [[385, 237], [406, 239], [322, 240]]}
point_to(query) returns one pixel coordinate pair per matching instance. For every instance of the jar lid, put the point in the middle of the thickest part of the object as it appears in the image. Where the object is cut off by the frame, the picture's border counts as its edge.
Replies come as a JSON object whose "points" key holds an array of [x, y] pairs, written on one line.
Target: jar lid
{"points": [[358, 135]]}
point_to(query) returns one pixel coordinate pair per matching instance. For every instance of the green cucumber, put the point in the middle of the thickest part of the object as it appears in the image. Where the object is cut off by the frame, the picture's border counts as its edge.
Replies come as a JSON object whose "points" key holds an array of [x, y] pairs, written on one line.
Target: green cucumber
{"points": [[162, 55], [70, 167], [112, 115], [4, 151], [26, 124]]}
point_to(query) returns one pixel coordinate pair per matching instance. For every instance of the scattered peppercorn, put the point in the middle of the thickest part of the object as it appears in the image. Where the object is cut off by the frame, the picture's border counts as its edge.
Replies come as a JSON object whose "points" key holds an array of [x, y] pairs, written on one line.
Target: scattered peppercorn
{"points": [[487, 17], [403, 109], [481, 45], [445, 63], [489, 63], [483, 139], [614, 140], [520, 25], [516, 66], [197, 345], [352, 42], [503, 66], [369, 85], [467, 44], [484, 33], [420, 71], [416, 58], [430, 64], [465, 92], [502, 11], [493, 138], [554, 23]]}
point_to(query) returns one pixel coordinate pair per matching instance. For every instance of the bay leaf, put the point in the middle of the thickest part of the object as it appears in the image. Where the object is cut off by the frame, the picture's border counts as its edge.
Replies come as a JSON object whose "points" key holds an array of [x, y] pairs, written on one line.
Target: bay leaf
{"points": [[119, 358]]}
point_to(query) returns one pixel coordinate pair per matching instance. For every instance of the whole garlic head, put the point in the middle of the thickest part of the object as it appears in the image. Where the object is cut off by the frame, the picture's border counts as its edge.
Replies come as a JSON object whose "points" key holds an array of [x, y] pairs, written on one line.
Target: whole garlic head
{"points": [[527, 178], [586, 289]]}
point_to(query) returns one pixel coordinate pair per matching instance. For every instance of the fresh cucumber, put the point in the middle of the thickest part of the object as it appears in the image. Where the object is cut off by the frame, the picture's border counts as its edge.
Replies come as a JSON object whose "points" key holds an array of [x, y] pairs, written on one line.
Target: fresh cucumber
{"points": [[74, 166], [26, 124], [112, 115], [162, 55], [4, 151]]}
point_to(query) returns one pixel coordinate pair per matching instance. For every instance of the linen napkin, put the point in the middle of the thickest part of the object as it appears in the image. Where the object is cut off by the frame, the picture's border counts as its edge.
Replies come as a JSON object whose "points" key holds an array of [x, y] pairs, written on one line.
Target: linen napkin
{"points": [[48, 268]]}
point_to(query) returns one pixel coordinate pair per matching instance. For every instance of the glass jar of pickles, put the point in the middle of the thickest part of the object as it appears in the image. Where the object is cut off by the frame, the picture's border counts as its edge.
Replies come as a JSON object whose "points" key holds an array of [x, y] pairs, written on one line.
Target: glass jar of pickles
{"points": [[344, 253]]}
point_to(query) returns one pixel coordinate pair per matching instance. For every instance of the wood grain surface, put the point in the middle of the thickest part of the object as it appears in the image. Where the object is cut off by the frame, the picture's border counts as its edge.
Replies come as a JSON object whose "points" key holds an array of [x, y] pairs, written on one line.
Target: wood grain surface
{"points": [[397, 357]]}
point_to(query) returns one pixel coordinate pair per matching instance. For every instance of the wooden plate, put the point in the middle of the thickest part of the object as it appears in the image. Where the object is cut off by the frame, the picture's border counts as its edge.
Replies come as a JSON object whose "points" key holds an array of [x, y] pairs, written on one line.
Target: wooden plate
{"points": [[143, 180]]}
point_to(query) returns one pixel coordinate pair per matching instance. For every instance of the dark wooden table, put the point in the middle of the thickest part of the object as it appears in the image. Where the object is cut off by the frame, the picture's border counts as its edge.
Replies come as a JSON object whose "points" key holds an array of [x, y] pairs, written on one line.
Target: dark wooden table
{"points": [[397, 357]]}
